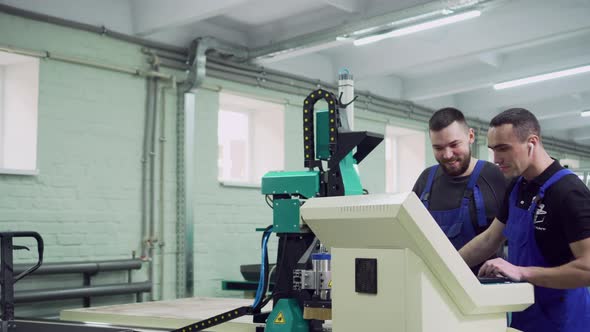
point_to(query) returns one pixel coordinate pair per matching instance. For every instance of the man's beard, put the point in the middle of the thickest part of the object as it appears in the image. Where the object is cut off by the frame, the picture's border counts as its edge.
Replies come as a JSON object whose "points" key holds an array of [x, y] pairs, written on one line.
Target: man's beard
{"points": [[463, 166]]}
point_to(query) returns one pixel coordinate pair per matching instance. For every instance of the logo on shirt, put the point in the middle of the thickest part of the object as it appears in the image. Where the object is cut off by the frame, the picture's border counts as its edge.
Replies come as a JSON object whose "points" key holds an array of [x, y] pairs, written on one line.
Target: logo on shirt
{"points": [[539, 217]]}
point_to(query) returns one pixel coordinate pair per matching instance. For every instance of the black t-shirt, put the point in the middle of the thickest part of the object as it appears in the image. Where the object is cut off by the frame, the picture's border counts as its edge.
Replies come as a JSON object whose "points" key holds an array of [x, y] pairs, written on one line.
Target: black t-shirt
{"points": [[447, 192], [567, 217]]}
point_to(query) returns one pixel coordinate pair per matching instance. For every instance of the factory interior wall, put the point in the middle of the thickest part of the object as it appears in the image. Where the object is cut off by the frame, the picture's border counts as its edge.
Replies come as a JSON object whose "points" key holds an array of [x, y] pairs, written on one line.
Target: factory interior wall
{"points": [[85, 201], [19, 126]]}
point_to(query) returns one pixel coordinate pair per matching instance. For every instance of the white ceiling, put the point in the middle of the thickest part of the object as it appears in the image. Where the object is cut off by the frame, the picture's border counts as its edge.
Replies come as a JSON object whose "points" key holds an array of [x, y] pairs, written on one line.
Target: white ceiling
{"points": [[455, 65]]}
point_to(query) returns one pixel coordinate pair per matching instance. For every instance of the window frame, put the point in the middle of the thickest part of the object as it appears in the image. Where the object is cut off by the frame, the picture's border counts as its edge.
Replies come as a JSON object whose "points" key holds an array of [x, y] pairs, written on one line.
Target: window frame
{"points": [[252, 112], [6, 61]]}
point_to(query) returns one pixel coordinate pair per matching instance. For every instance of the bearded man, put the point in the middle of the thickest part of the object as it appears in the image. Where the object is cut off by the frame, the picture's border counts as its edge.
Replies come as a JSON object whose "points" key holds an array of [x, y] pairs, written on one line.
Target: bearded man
{"points": [[462, 193]]}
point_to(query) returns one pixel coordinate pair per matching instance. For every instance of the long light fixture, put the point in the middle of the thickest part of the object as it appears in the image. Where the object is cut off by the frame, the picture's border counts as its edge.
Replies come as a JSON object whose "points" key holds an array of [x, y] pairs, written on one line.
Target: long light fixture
{"points": [[585, 113], [418, 27], [541, 78]]}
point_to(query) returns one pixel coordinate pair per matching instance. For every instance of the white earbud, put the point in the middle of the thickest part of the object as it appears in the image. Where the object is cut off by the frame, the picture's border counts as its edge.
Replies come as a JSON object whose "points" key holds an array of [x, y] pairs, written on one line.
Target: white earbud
{"points": [[531, 148]]}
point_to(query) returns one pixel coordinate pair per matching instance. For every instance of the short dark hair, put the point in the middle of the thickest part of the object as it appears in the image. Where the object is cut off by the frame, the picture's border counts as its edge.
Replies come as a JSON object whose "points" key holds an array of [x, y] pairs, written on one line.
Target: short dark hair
{"points": [[523, 121], [444, 117]]}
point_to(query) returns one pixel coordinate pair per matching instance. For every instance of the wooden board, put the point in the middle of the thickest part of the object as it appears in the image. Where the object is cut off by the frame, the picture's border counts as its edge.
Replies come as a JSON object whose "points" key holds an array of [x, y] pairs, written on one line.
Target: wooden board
{"points": [[166, 314]]}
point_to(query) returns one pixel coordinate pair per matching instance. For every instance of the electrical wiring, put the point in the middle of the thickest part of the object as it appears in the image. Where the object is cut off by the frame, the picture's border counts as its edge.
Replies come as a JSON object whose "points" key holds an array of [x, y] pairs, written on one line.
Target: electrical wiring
{"points": [[263, 280]]}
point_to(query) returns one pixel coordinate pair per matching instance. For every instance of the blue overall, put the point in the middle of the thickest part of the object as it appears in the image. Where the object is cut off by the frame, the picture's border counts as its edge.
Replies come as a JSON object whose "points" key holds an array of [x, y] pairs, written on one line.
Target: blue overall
{"points": [[554, 310], [456, 223]]}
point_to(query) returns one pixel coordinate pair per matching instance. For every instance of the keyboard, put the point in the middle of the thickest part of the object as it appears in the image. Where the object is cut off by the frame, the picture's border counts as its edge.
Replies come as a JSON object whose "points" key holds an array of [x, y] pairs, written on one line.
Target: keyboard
{"points": [[493, 280]]}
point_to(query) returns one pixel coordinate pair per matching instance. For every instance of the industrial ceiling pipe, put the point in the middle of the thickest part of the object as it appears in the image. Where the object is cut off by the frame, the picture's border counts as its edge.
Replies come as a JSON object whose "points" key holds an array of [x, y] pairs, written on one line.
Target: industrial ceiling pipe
{"points": [[101, 30]]}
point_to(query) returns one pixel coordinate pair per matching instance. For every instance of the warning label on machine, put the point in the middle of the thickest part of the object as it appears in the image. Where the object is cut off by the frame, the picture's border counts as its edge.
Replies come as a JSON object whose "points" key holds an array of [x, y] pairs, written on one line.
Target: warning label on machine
{"points": [[280, 318]]}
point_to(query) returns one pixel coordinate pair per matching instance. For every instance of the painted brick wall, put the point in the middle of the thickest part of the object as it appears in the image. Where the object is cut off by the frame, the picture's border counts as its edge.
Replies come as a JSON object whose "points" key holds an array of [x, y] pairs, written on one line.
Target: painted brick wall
{"points": [[85, 201]]}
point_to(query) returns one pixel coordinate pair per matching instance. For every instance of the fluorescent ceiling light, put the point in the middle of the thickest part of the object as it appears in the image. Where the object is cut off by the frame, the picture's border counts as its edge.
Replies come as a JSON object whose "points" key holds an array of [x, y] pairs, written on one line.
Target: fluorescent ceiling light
{"points": [[418, 27], [541, 78], [391, 25], [585, 113]]}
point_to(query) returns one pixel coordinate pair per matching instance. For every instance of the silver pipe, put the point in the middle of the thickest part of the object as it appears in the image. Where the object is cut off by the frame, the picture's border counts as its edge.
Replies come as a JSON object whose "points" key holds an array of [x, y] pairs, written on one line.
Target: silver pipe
{"points": [[20, 51], [188, 239], [184, 187], [166, 55], [264, 73], [180, 194], [145, 172], [152, 181], [101, 30], [285, 88], [157, 59], [259, 79], [161, 230], [84, 62], [174, 65], [184, 156]]}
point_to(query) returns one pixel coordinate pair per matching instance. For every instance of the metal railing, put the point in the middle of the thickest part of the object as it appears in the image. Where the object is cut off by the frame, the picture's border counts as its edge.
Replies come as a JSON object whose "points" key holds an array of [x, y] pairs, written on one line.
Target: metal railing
{"points": [[88, 270]]}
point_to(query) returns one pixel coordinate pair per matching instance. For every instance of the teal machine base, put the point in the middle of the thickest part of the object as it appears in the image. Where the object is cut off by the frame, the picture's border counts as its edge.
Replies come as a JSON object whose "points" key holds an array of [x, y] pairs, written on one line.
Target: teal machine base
{"points": [[286, 316]]}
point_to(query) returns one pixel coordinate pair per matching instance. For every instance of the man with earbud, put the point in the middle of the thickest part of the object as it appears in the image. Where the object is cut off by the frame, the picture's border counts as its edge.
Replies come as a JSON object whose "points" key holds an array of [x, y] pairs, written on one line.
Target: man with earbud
{"points": [[463, 194], [546, 219]]}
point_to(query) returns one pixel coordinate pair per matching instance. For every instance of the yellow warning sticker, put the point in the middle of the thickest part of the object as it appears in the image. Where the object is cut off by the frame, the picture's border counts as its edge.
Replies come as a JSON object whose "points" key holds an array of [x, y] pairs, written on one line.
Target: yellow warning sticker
{"points": [[280, 318], [330, 284]]}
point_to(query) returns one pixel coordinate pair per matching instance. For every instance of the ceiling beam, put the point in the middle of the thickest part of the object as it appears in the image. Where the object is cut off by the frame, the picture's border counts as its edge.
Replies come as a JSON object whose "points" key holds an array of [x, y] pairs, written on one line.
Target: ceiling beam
{"points": [[476, 77], [396, 12], [313, 66], [547, 110], [567, 121], [580, 134], [390, 86], [542, 24], [522, 96], [567, 53], [186, 34], [493, 59], [349, 6], [151, 16], [303, 52]]}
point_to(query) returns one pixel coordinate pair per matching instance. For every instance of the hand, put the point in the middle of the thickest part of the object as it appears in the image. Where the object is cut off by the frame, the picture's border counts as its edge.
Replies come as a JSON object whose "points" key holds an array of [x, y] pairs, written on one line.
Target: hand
{"points": [[498, 267]]}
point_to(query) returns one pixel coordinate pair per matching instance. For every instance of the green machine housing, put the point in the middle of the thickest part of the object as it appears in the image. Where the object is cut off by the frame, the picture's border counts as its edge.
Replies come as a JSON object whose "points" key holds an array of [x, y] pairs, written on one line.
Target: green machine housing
{"points": [[283, 186], [331, 155]]}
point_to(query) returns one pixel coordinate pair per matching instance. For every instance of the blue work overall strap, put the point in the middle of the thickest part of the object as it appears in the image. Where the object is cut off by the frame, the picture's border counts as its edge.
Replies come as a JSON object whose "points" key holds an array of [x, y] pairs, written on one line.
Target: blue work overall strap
{"points": [[424, 197], [554, 178], [563, 310], [456, 223], [472, 187]]}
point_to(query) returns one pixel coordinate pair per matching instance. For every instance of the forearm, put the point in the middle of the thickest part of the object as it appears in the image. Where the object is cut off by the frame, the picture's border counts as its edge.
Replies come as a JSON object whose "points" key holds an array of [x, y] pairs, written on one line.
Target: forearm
{"points": [[571, 275], [479, 249]]}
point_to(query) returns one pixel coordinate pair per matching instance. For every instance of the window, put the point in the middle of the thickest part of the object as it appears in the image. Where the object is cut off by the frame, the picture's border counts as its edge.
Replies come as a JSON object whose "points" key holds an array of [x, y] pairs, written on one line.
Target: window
{"points": [[251, 139], [405, 157], [19, 90], [570, 163]]}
